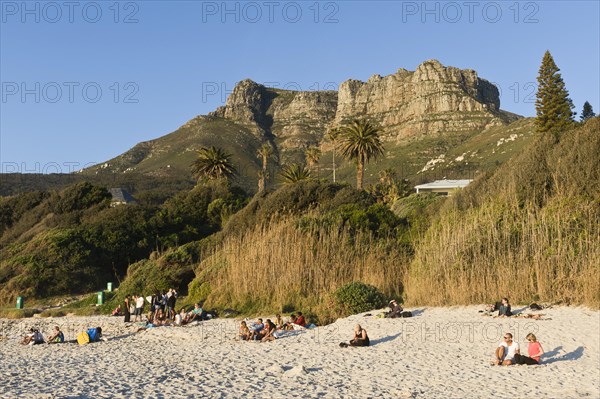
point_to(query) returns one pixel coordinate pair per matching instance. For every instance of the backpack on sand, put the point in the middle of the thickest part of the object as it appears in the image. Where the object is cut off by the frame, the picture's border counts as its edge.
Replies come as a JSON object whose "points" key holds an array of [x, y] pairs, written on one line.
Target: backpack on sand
{"points": [[83, 338]]}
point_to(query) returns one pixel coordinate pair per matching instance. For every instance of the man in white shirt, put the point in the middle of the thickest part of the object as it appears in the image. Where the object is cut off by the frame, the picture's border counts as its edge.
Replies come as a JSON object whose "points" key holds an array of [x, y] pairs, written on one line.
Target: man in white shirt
{"points": [[139, 307], [505, 353]]}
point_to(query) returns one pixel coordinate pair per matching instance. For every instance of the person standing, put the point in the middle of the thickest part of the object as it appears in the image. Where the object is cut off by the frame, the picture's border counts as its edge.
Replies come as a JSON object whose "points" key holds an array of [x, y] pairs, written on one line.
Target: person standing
{"points": [[139, 307], [127, 303]]}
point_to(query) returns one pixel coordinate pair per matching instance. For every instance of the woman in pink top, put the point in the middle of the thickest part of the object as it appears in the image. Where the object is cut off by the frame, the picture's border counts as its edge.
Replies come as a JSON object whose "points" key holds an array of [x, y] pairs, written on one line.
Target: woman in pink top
{"points": [[534, 349]]}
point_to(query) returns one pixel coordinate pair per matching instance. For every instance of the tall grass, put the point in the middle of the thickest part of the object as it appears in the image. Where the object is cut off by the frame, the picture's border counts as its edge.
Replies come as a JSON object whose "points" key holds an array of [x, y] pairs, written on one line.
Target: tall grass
{"points": [[526, 254], [530, 232], [280, 266]]}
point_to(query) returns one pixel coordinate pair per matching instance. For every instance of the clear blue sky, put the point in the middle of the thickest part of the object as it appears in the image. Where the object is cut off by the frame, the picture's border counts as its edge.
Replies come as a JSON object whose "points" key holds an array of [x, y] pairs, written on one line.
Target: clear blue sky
{"points": [[160, 63]]}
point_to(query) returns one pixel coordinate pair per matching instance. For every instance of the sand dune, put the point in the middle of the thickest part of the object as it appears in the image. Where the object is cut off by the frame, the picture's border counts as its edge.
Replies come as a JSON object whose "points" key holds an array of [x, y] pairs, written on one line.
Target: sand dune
{"points": [[439, 353]]}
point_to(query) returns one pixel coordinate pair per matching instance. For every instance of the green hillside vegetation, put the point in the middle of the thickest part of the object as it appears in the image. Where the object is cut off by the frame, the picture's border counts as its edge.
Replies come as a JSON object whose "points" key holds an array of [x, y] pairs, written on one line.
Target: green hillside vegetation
{"points": [[72, 241], [529, 231]]}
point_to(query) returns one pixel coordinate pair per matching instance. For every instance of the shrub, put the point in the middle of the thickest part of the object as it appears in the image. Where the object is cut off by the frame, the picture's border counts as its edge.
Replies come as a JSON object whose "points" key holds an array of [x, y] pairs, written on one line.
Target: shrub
{"points": [[358, 297]]}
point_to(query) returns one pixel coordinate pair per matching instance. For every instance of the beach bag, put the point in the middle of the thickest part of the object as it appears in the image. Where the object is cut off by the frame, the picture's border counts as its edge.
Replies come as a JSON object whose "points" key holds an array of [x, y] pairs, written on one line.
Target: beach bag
{"points": [[406, 314], [83, 338]]}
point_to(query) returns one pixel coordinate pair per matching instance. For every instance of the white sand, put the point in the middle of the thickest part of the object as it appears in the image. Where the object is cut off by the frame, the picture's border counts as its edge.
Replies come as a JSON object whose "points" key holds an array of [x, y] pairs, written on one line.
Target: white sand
{"points": [[439, 353]]}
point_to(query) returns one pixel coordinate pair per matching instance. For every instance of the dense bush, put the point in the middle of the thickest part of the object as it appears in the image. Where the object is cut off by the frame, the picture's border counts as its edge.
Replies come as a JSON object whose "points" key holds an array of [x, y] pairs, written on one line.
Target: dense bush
{"points": [[358, 297]]}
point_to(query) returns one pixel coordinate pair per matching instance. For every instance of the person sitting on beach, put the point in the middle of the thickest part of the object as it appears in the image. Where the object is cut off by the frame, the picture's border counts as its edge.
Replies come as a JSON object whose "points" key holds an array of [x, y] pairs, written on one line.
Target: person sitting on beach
{"points": [[506, 351], [266, 334], [34, 337], [117, 311], [395, 310], [256, 329], [181, 317], [289, 324], [279, 321], [197, 314], [504, 309], [57, 336], [360, 337], [159, 318], [535, 350], [300, 320], [245, 334]]}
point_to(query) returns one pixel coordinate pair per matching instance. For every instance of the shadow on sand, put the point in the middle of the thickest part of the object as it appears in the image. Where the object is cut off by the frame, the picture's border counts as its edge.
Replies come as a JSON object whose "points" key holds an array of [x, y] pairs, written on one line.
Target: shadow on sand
{"points": [[384, 339], [576, 354]]}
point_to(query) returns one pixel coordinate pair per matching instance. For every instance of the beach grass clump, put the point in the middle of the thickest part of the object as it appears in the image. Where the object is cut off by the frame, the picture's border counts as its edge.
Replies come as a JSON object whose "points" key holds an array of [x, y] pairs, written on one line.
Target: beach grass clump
{"points": [[358, 297]]}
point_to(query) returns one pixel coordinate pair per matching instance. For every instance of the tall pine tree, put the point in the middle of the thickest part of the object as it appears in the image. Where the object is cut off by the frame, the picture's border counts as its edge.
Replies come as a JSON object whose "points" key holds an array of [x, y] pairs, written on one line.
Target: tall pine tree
{"points": [[553, 106], [587, 112]]}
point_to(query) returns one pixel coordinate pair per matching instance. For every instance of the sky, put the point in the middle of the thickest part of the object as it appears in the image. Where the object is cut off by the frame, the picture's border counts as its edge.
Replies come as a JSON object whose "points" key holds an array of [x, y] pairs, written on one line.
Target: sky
{"points": [[84, 81]]}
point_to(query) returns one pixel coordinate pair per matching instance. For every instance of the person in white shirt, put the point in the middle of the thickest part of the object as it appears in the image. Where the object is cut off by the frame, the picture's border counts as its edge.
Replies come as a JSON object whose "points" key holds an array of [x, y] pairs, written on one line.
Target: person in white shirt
{"points": [[139, 307], [505, 352]]}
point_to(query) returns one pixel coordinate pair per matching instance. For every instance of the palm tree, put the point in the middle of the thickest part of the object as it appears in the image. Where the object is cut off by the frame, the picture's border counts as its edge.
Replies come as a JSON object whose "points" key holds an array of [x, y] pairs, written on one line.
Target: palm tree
{"points": [[312, 157], [361, 141], [263, 153], [294, 173], [332, 135], [213, 164]]}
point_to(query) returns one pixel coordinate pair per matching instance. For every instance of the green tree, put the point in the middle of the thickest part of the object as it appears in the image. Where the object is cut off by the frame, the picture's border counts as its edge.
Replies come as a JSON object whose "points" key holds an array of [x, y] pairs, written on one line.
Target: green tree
{"points": [[332, 135], [587, 112], [361, 142], [553, 106], [312, 157], [263, 153], [213, 164], [294, 173]]}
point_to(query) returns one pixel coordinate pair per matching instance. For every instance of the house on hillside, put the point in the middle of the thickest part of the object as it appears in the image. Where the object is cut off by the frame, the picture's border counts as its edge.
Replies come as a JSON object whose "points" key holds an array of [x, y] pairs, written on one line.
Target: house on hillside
{"points": [[121, 197], [442, 187]]}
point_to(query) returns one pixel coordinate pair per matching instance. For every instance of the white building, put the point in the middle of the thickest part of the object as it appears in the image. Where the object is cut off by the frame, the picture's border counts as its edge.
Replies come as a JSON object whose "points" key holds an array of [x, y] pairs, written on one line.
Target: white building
{"points": [[442, 187]]}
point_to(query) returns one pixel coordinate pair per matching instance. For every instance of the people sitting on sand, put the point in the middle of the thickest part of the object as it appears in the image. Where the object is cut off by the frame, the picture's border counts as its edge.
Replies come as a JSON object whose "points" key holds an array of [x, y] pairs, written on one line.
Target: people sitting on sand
{"points": [[34, 337], [57, 336], [159, 318], [256, 329], [197, 314], [395, 310], [181, 317], [534, 349], [290, 324], [504, 308], [117, 311], [300, 320], [245, 334], [266, 334], [506, 351], [279, 321], [360, 338]]}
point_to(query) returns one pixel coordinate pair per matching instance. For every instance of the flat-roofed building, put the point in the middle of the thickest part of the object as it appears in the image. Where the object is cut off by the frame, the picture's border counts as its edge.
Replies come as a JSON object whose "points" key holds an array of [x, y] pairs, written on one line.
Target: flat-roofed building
{"points": [[442, 187]]}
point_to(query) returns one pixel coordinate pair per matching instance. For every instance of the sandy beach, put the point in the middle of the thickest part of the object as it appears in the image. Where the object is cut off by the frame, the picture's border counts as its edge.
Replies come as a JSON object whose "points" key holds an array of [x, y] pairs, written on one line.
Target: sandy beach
{"points": [[439, 353]]}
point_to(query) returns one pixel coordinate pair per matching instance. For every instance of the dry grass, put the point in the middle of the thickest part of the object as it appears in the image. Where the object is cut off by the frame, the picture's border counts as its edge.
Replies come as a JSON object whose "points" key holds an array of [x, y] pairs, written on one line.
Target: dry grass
{"points": [[279, 266]]}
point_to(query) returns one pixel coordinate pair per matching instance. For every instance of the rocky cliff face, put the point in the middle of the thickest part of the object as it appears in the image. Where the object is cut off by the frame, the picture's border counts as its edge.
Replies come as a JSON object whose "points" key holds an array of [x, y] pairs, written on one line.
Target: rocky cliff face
{"points": [[433, 99]]}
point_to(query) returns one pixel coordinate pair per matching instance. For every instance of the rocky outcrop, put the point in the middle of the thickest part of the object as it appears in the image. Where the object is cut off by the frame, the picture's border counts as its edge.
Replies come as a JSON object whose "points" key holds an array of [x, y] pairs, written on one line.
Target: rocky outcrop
{"points": [[430, 100]]}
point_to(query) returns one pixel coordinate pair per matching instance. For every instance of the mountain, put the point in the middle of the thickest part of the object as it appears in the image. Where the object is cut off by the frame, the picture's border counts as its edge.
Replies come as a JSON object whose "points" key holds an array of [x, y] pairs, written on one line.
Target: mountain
{"points": [[435, 119]]}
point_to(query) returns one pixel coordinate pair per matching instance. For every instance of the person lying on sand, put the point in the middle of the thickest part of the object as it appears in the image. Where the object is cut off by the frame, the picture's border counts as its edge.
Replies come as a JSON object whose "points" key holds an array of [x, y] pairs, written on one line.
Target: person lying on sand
{"points": [[535, 350], [57, 336], [506, 351], [360, 338]]}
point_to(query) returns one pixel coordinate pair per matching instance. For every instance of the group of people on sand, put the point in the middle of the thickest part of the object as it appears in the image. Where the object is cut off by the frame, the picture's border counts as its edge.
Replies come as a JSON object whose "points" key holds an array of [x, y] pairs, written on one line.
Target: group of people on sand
{"points": [[269, 330], [35, 337], [508, 351], [161, 301]]}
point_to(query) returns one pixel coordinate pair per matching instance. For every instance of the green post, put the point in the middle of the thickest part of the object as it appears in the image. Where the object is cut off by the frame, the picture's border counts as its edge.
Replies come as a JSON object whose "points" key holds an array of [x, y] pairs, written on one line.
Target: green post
{"points": [[100, 298], [19, 302], [109, 287]]}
